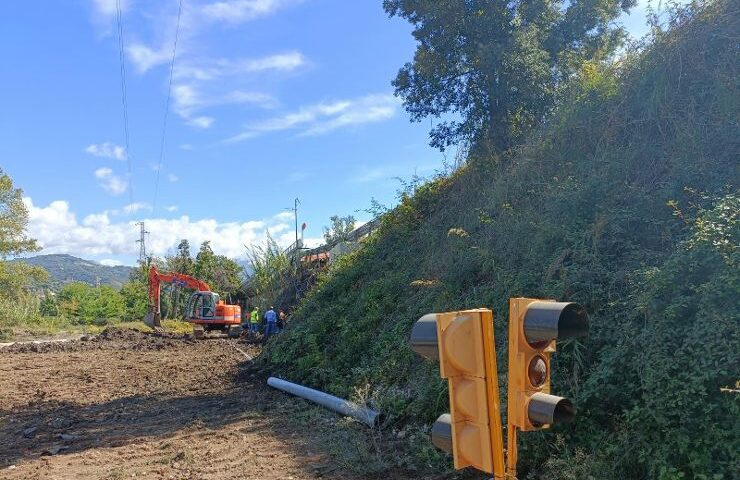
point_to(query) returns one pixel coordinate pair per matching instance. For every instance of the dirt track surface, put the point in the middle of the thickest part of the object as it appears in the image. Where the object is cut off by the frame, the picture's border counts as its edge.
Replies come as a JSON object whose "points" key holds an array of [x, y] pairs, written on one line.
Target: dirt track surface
{"points": [[131, 405]]}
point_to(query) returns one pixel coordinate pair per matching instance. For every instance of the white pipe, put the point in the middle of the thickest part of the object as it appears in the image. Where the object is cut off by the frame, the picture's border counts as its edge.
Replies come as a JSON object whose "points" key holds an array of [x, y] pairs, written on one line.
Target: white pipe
{"points": [[369, 417]]}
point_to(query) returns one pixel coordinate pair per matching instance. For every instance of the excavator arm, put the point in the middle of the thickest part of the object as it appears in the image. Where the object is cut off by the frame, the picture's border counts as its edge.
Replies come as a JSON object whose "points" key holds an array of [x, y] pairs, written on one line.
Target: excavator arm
{"points": [[154, 317]]}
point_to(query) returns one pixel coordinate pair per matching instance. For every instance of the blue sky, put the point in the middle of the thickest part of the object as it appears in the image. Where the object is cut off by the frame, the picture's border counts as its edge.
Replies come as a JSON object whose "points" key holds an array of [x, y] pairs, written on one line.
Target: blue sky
{"points": [[271, 100]]}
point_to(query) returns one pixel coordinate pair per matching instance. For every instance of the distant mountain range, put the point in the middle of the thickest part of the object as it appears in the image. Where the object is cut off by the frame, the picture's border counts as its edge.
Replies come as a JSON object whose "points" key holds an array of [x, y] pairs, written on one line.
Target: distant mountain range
{"points": [[65, 269]]}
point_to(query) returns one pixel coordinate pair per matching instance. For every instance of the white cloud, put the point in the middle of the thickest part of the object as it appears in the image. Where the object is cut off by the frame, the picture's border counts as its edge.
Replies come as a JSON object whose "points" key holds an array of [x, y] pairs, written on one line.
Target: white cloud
{"points": [[186, 147], [106, 150], [58, 231], [107, 8], [145, 58], [188, 99], [110, 182], [172, 177], [201, 122], [261, 100], [286, 61], [135, 207], [171, 208], [324, 117], [96, 220], [237, 11], [207, 69], [284, 216]]}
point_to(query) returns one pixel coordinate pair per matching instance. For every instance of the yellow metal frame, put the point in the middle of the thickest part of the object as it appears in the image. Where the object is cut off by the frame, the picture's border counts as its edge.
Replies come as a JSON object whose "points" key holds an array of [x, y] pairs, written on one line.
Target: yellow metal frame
{"points": [[465, 385], [519, 389]]}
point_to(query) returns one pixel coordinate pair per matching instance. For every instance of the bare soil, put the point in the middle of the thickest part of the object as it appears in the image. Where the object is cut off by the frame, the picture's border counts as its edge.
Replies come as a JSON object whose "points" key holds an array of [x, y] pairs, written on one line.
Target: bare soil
{"points": [[126, 404]]}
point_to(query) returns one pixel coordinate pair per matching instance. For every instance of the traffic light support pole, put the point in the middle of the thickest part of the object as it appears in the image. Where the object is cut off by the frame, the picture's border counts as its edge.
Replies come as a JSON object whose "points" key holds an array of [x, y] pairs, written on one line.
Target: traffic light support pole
{"points": [[494, 405], [511, 440], [511, 452]]}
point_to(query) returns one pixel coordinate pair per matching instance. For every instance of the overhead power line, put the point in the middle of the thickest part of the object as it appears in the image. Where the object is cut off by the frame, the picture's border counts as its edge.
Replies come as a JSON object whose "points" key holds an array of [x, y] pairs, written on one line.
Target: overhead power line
{"points": [[124, 101], [167, 106]]}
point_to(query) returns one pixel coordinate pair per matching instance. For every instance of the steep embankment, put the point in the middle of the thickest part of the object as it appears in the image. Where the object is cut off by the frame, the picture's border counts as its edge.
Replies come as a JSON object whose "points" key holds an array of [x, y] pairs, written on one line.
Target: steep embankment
{"points": [[626, 203]]}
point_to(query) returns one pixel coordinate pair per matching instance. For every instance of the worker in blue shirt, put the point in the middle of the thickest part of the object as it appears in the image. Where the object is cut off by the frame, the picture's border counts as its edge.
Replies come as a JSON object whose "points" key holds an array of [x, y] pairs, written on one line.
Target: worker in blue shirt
{"points": [[270, 322]]}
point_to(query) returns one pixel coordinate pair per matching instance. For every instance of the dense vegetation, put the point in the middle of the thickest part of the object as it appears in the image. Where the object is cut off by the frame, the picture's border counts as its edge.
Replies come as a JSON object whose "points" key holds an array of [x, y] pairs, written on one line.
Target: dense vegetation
{"points": [[625, 201]]}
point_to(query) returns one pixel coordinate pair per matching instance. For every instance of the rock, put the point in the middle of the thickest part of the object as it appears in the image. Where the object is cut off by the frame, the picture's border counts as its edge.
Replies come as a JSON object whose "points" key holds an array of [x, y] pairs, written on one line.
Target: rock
{"points": [[60, 422], [54, 449], [401, 434], [30, 432], [66, 437]]}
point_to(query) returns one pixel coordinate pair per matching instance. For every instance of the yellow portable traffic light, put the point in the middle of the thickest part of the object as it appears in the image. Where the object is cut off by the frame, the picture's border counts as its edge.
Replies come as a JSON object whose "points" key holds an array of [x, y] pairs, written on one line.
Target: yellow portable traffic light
{"points": [[534, 327], [463, 343]]}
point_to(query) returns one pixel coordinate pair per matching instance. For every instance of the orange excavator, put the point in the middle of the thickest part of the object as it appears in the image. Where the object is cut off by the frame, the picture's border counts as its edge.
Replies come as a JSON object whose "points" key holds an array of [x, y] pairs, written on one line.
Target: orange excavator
{"points": [[205, 310]]}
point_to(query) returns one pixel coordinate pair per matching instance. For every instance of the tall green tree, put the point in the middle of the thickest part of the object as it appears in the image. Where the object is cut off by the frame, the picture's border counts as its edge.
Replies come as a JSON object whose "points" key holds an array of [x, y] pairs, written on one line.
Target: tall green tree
{"points": [[339, 229], [221, 273], [182, 262], [495, 66], [15, 276], [13, 220]]}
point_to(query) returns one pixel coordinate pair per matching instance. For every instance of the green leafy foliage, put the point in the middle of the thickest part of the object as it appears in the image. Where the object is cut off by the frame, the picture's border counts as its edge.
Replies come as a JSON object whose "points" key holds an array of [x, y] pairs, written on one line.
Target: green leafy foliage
{"points": [[626, 202], [88, 304], [17, 301], [271, 276], [339, 229], [498, 65], [13, 220], [221, 273]]}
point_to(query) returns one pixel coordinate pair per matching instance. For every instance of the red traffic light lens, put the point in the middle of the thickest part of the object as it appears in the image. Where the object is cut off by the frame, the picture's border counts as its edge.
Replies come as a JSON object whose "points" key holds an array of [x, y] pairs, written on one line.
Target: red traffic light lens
{"points": [[537, 371]]}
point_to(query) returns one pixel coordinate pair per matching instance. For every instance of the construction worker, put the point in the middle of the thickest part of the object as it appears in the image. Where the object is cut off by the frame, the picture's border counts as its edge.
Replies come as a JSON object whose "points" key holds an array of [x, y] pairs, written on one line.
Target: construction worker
{"points": [[281, 320], [270, 322], [254, 321]]}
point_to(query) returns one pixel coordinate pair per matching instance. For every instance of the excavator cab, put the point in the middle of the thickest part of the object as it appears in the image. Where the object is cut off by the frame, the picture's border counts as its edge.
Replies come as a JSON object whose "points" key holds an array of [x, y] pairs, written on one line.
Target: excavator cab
{"points": [[201, 306]]}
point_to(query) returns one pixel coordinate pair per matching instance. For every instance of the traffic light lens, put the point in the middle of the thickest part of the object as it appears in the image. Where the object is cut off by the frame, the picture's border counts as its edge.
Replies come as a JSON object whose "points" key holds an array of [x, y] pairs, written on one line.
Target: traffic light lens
{"points": [[537, 371]]}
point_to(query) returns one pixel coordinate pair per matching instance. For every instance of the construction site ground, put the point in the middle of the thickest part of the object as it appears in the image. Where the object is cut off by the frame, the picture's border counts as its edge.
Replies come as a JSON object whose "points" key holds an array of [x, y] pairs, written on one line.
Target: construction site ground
{"points": [[125, 404]]}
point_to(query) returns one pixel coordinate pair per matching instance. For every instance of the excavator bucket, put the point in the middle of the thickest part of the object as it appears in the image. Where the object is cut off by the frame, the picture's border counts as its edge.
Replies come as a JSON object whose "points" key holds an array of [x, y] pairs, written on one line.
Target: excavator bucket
{"points": [[152, 320]]}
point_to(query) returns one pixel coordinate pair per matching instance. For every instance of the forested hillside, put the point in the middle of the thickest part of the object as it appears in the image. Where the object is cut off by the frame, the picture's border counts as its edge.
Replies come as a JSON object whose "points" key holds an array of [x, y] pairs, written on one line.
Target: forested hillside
{"points": [[65, 269], [625, 201]]}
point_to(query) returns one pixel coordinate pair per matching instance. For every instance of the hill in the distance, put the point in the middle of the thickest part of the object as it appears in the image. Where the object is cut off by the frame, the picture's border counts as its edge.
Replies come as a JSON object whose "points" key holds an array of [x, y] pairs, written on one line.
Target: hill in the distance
{"points": [[65, 269]]}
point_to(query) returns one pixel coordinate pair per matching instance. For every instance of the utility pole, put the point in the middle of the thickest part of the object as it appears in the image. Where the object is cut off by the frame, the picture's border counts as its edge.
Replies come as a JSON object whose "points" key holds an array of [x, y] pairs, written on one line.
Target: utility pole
{"points": [[142, 242], [295, 213]]}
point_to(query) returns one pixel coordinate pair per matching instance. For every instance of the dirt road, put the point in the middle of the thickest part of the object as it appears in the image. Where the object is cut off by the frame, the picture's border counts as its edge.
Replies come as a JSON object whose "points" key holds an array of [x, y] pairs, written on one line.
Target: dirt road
{"points": [[131, 405]]}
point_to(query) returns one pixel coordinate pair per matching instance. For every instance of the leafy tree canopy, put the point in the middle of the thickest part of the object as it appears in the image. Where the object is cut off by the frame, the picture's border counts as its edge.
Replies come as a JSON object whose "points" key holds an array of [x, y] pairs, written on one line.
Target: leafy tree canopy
{"points": [[339, 229], [495, 66], [182, 262], [13, 220], [221, 273], [15, 276]]}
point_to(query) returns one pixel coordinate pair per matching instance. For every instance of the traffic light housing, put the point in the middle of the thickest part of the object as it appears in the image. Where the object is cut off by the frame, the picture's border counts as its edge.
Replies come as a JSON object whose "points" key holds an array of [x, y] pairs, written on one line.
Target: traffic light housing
{"points": [[534, 327], [463, 343]]}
